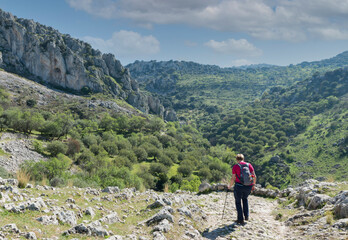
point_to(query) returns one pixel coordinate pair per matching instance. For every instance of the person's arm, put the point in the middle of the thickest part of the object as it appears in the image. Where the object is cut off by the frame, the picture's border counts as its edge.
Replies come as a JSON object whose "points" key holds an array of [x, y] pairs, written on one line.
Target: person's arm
{"points": [[233, 179], [254, 181]]}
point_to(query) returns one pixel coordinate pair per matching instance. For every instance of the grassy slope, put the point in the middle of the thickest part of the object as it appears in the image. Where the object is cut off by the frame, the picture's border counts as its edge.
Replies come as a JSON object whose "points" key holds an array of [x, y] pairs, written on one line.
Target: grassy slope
{"points": [[316, 151]]}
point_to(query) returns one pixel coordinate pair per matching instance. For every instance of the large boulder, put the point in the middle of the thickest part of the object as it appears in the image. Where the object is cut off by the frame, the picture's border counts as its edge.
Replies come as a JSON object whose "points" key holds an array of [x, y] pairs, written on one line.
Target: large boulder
{"points": [[111, 190], [318, 201], [341, 205], [165, 213], [204, 187]]}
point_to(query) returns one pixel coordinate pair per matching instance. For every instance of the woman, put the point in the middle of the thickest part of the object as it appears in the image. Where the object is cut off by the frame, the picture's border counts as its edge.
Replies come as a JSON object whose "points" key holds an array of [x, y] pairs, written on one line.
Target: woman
{"points": [[244, 180]]}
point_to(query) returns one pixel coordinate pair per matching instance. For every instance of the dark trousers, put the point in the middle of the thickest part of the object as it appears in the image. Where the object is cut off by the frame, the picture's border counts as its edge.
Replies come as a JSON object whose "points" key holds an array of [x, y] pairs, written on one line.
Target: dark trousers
{"points": [[241, 193]]}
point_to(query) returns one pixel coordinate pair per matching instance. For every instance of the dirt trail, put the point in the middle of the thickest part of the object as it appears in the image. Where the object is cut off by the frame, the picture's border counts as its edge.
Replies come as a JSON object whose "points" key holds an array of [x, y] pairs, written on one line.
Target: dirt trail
{"points": [[261, 225]]}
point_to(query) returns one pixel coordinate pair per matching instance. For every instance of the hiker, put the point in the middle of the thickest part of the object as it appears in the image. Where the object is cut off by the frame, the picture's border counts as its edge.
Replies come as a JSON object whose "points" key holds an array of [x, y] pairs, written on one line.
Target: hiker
{"points": [[244, 180]]}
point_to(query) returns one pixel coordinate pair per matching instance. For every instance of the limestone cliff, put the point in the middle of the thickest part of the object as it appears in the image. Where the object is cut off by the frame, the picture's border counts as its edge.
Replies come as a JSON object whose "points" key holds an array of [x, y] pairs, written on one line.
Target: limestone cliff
{"points": [[45, 55]]}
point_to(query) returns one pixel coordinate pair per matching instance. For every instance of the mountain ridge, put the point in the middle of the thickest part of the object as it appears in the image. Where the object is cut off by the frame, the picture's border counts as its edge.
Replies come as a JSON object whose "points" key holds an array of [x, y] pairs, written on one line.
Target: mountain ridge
{"points": [[43, 54]]}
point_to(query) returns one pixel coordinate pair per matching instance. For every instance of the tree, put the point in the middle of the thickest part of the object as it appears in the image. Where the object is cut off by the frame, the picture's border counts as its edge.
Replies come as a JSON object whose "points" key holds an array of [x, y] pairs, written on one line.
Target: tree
{"points": [[185, 169], [74, 147], [56, 147], [155, 124]]}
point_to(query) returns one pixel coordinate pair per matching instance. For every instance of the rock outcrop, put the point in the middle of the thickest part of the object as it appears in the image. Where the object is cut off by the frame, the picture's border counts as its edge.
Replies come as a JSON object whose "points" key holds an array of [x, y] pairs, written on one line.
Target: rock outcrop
{"points": [[45, 55]]}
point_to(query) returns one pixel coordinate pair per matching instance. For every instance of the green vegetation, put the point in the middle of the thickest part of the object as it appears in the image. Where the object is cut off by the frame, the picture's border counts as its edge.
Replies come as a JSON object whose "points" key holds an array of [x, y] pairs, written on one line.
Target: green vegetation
{"points": [[114, 150], [289, 122], [305, 125], [201, 93]]}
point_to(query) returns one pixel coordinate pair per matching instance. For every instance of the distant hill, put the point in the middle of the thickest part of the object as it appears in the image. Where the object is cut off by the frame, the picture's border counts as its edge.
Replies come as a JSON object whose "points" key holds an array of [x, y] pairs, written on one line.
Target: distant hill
{"points": [[292, 133], [194, 90]]}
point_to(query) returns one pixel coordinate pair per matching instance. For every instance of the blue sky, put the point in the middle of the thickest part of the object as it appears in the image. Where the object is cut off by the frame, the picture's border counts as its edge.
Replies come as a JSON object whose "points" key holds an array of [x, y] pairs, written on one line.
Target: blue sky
{"points": [[220, 32]]}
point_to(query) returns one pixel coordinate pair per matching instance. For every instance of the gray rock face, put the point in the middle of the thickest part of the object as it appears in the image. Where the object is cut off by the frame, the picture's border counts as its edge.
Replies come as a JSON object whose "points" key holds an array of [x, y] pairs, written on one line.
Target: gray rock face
{"points": [[111, 190], [341, 205], [68, 217], [45, 55], [30, 235], [10, 228], [165, 213], [90, 230], [163, 226], [90, 211], [204, 187], [318, 201], [48, 220], [156, 204]]}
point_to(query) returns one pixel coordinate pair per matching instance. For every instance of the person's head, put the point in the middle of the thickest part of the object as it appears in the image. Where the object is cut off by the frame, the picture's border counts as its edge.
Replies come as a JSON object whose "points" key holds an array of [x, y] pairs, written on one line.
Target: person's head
{"points": [[239, 157]]}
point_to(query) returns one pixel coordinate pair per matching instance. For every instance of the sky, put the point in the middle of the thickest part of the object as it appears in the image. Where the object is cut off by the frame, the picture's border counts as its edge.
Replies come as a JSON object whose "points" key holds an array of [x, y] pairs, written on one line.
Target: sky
{"points": [[217, 32]]}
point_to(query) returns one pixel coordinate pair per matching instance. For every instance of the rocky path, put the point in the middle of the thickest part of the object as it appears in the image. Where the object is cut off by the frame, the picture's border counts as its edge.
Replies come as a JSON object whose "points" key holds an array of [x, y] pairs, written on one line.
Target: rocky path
{"points": [[261, 225]]}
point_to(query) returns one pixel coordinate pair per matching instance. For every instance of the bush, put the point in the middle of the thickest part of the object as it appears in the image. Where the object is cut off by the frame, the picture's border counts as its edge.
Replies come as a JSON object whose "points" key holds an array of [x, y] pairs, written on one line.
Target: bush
{"points": [[57, 167], [204, 174], [56, 147], [173, 187], [84, 183], [185, 170], [58, 182], [4, 173], [74, 147], [110, 147], [23, 178], [38, 146], [157, 168], [192, 185], [140, 153]]}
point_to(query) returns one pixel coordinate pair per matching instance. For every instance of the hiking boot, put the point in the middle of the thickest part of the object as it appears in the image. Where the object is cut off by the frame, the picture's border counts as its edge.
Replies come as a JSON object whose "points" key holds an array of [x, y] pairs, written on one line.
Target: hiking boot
{"points": [[246, 218], [240, 222]]}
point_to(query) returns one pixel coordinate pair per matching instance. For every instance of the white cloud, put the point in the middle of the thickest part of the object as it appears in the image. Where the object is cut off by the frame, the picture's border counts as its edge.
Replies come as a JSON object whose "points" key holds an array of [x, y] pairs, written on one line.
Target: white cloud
{"points": [[239, 47], [126, 44], [241, 62], [267, 19], [330, 33]]}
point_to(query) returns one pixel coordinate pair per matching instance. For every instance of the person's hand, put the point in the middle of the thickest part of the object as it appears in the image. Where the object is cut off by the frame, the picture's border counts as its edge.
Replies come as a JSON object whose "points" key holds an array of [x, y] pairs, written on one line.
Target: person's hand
{"points": [[253, 188], [229, 187]]}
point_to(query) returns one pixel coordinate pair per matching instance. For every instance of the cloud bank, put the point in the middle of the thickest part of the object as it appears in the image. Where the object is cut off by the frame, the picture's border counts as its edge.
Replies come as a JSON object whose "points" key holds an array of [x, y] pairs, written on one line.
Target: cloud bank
{"points": [[235, 47], [294, 20]]}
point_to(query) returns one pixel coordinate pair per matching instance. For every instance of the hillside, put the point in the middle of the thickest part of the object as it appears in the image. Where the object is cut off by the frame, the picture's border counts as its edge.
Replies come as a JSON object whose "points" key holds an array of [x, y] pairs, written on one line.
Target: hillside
{"points": [[293, 133], [57, 60], [196, 91]]}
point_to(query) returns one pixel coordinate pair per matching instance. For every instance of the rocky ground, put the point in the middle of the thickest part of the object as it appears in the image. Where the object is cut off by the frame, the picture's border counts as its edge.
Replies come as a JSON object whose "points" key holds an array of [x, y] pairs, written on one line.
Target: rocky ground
{"points": [[44, 212], [22, 89], [17, 148]]}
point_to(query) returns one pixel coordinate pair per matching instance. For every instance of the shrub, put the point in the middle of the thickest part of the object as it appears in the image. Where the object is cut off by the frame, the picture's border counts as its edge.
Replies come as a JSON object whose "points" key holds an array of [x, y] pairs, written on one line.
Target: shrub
{"points": [[57, 167], [58, 182], [173, 187], [84, 183], [192, 185], [56, 147], [185, 170], [110, 147], [74, 147], [38, 146], [3, 173], [140, 153], [165, 160], [23, 178], [158, 168], [204, 174]]}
